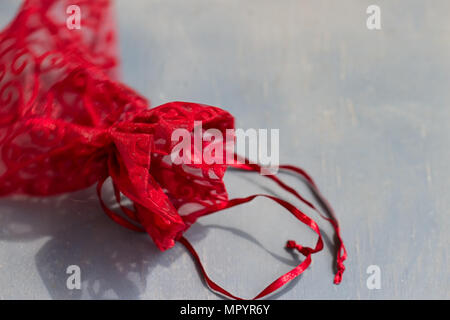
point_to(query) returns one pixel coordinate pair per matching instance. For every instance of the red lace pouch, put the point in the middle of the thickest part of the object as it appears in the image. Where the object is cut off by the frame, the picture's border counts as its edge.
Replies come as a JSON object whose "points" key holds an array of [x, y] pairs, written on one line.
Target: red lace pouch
{"points": [[67, 123]]}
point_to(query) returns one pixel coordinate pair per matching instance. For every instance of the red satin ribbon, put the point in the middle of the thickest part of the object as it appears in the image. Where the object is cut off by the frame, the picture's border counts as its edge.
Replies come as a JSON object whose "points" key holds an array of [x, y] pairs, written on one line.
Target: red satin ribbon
{"points": [[306, 251], [341, 252]]}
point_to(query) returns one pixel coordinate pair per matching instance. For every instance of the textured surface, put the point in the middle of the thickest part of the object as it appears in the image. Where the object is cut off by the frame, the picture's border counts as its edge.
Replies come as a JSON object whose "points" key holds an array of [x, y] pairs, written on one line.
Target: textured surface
{"points": [[364, 111]]}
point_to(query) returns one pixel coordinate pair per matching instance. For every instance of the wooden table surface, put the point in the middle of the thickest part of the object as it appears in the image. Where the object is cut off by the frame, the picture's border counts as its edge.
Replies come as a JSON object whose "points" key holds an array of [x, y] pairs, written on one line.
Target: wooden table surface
{"points": [[366, 112]]}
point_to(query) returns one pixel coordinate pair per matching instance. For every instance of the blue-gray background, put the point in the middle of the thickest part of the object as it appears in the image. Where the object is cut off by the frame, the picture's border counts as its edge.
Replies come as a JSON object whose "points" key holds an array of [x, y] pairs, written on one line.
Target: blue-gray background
{"points": [[365, 112]]}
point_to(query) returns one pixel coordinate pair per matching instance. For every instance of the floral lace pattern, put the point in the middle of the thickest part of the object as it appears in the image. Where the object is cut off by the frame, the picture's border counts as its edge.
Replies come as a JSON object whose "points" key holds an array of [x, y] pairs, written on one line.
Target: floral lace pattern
{"points": [[66, 122]]}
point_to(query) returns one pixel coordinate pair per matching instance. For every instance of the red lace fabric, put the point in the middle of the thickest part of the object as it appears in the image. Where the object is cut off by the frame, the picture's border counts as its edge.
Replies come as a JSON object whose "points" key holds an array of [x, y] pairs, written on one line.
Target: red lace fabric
{"points": [[67, 123]]}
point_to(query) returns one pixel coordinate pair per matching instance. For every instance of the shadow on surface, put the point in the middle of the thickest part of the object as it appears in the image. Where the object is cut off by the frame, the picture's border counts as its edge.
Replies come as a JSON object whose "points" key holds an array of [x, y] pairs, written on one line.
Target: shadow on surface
{"points": [[244, 235], [115, 262]]}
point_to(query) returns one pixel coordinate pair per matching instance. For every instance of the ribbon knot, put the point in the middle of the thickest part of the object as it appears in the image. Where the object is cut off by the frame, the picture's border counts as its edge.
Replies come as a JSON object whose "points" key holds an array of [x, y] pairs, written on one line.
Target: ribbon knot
{"points": [[340, 271], [291, 244]]}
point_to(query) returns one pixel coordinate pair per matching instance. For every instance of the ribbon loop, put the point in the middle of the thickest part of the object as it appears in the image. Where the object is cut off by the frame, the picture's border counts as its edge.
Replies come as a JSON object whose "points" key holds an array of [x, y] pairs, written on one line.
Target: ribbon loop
{"points": [[341, 254], [287, 277]]}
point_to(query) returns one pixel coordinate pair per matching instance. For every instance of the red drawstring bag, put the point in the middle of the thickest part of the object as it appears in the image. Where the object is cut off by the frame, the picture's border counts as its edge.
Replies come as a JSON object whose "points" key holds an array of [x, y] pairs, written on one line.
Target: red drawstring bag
{"points": [[67, 123]]}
